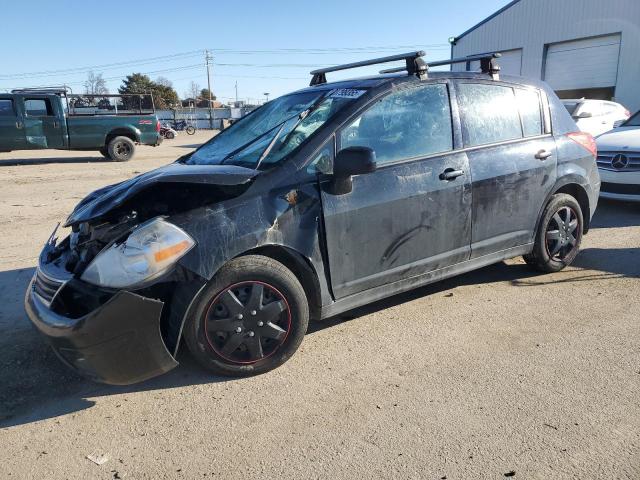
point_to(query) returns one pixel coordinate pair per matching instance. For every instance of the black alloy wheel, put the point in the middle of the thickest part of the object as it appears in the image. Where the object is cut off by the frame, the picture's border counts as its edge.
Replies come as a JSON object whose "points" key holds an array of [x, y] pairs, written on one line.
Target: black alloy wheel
{"points": [[561, 234], [247, 322]]}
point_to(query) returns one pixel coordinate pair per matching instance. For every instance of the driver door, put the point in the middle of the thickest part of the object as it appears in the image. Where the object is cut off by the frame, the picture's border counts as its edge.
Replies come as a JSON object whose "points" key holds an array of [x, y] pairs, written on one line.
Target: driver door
{"points": [[405, 218]]}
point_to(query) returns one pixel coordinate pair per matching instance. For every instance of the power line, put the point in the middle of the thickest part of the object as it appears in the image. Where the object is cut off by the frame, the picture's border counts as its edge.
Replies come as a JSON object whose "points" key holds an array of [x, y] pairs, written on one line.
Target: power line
{"points": [[103, 67], [195, 53]]}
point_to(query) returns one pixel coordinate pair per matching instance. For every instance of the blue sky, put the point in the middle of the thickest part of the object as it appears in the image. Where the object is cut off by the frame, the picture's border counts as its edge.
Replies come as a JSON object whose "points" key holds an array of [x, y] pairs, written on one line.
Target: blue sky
{"points": [[45, 36]]}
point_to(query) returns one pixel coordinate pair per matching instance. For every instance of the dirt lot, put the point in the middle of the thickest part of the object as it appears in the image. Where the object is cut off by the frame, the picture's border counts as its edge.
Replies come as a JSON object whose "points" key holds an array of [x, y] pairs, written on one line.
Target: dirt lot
{"points": [[494, 372]]}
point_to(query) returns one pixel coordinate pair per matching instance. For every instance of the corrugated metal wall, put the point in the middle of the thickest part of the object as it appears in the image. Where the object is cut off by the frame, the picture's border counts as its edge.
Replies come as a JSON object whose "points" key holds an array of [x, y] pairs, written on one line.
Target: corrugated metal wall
{"points": [[533, 24]]}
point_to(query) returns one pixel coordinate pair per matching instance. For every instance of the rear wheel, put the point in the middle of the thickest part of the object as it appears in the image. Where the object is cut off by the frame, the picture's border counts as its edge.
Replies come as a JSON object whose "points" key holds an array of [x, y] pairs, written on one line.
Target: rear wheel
{"points": [[191, 130], [251, 318], [121, 149], [169, 135], [559, 235]]}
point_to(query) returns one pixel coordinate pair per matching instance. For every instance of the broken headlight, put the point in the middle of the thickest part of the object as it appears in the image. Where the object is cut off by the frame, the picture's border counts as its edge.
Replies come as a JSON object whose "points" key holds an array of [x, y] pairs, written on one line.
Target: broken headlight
{"points": [[149, 251]]}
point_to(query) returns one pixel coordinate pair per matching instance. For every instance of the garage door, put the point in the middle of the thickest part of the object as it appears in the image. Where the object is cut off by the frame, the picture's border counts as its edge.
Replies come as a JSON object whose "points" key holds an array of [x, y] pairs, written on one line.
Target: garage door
{"points": [[586, 63], [510, 63]]}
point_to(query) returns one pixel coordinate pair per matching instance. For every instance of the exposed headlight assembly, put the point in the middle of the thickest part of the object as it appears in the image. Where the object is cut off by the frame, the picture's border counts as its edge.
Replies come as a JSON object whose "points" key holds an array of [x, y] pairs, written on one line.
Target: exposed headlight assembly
{"points": [[149, 251]]}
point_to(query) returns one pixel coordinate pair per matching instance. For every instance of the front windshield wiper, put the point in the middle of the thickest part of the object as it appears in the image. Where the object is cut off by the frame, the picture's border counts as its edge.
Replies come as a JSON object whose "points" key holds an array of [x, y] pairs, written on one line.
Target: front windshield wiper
{"points": [[254, 140], [267, 150]]}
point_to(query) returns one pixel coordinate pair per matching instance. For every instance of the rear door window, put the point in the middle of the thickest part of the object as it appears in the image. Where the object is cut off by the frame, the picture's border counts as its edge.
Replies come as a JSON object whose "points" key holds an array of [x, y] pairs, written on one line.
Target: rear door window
{"points": [[530, 111], [6, 108], [409, 123], [38, 107], [489, 113]]}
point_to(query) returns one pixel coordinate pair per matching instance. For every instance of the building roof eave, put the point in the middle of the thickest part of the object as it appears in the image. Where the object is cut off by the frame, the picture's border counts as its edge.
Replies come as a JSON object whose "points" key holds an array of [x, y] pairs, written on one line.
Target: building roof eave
{"points": [[490, 17]]}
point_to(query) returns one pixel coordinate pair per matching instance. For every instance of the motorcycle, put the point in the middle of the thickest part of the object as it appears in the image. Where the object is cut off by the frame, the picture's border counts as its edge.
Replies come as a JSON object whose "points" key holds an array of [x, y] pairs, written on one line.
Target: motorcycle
{"points": [[181, 125], [167, 132]]}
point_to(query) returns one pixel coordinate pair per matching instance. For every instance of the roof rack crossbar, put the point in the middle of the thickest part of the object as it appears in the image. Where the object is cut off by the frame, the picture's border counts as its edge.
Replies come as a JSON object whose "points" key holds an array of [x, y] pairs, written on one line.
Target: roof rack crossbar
{"points": [[415, 65], [488, 64]]}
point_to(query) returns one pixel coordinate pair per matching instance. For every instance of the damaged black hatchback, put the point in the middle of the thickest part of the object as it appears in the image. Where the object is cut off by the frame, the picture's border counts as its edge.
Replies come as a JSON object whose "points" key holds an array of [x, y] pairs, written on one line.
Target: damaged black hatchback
{"points": [[318, 202]]}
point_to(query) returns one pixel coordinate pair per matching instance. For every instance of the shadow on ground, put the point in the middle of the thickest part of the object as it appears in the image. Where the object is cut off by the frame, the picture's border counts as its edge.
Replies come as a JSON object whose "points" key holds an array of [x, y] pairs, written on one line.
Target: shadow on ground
{"points": [[36, 385]]}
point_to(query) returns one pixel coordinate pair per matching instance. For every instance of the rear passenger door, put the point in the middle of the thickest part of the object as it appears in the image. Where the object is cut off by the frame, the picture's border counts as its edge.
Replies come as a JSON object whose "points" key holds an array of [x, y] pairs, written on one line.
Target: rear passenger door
{"points": [[11, 126], [512, 158], [42, 122]]}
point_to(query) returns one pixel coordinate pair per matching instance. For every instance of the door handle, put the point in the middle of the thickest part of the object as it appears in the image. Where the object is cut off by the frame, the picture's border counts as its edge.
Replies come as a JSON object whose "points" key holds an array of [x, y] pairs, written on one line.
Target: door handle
{"points": [[19, 125], [543, 154], [451, 174]]}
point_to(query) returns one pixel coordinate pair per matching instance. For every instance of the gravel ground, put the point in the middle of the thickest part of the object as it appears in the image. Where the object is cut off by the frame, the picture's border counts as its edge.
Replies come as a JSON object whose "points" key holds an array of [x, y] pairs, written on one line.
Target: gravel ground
{"points": [[498, 373]]}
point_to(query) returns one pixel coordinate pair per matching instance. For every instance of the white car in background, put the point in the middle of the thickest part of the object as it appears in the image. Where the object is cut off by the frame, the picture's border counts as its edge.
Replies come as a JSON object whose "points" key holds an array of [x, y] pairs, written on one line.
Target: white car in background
{"points": [[619, 161], [596, 116]]}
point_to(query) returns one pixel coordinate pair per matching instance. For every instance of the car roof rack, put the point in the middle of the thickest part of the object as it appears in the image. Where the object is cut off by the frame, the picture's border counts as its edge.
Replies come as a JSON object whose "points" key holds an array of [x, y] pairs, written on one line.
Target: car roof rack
{"points": [[62, 90], [488, 64], [415, 65]]}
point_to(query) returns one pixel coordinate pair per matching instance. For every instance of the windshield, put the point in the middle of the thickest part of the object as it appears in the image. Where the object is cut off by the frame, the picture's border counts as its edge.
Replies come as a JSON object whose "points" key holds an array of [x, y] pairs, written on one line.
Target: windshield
{"points": [[273, 131], [634, 121]]}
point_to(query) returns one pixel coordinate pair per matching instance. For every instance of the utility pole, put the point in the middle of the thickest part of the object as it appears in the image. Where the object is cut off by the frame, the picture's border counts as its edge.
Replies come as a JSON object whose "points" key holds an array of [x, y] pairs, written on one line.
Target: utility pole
{"points": [[207, 57], [236, 93]]}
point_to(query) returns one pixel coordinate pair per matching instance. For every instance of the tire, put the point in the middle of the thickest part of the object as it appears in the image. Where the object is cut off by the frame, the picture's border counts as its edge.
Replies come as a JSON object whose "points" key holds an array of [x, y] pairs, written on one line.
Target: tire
{"points": [[121, 149], [223, 331], [191, 130], [169, 135], [105, 153], [559, 235]]}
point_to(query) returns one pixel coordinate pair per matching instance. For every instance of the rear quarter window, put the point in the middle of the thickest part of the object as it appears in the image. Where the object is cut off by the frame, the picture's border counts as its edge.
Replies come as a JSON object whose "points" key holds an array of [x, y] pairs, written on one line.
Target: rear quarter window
{"points": [[489, 113], [530, 111]]}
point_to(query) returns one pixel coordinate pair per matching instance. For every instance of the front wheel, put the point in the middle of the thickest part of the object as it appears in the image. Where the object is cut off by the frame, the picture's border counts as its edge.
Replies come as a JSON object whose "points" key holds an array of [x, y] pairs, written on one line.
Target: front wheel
{"points": [[559, 235], [121, 149], [191, 130], [249, 319]]}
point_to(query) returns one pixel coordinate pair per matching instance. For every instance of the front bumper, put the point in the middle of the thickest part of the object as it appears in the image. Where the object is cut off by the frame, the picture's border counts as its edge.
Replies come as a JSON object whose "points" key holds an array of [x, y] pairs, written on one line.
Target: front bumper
{"points": [[118, 343], [620, 185]]}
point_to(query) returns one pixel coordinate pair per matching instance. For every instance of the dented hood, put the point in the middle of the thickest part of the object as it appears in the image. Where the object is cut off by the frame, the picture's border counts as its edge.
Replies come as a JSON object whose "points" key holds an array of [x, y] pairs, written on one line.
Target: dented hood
{"points": [[101, 201]]}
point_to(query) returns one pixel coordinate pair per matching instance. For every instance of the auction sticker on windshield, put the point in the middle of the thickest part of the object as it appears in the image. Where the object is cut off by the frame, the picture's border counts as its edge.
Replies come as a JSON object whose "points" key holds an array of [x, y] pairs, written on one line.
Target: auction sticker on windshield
{"points": [[347, 93]]}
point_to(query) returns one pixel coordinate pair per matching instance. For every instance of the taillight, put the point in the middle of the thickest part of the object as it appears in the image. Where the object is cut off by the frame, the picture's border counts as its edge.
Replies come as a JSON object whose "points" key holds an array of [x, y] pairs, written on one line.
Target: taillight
{"points": [[586, 140], [158, 126]]}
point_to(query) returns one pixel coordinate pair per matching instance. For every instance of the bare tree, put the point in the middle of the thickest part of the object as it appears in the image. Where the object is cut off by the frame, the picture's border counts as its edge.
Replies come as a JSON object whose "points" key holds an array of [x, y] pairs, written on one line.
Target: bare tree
{"points": [[164, 81], [194, 91], [95, 84]]}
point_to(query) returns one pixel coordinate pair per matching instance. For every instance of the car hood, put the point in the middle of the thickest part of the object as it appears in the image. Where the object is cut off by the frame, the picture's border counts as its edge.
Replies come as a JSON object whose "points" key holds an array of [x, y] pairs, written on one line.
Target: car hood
{"points": [[101, 201], [621, 138]]}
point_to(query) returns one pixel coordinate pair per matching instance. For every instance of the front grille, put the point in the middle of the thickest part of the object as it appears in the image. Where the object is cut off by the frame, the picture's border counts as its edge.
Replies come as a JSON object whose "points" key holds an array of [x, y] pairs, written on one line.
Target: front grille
{"points": [[622, 188], [46, 287], [632, 160]]}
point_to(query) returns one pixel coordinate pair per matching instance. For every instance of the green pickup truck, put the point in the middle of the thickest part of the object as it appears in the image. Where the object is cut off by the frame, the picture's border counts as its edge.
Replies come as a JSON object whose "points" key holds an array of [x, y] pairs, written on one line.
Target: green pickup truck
{"points": [[48, 118]]}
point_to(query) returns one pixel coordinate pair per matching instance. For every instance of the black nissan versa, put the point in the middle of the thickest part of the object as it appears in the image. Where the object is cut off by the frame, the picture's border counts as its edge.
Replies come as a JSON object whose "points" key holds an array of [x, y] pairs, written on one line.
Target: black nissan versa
{"points": [[320, 201]]}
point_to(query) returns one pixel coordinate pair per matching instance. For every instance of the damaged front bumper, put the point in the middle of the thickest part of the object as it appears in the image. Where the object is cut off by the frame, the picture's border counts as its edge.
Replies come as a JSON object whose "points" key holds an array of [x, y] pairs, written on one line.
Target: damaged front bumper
{"points": [[119, 342]]}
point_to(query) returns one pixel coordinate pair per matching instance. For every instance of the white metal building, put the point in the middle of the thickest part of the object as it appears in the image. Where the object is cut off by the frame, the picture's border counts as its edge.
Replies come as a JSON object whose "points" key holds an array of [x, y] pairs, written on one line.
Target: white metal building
{"points": [[582, 48]]}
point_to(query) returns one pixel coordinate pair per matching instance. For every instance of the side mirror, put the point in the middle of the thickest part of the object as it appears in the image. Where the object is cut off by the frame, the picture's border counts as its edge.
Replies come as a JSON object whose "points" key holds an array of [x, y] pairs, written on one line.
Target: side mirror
{"points": [[351, 161], [585, 115]]}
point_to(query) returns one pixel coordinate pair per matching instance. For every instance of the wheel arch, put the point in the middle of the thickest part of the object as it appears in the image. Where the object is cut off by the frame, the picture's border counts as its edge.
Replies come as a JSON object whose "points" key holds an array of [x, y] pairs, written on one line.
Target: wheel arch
{"points": [[300, 267], [577, 191], [131, 133]]}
